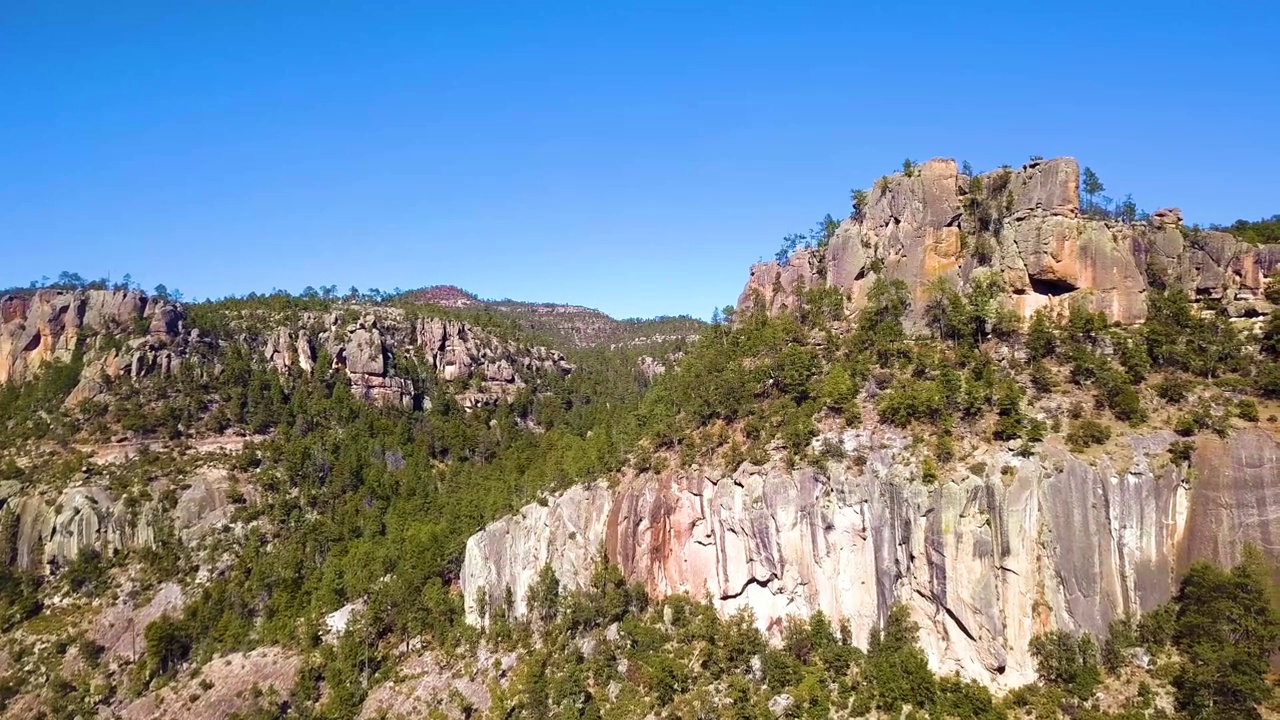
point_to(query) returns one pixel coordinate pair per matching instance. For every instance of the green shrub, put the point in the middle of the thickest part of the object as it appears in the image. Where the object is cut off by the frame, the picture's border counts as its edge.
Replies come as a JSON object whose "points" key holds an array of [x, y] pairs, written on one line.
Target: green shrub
{"points": [[1067, 661], [1180, 451], [1085, 433], [1173, 388], [1247, 410]]}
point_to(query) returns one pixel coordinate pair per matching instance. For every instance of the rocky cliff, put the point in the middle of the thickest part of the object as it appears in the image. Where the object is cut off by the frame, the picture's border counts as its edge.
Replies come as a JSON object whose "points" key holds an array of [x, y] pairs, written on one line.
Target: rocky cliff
{"points": [[49, 528], [491, 369], [51, 324], [124, 333], [1026, 226], [984, 559]]}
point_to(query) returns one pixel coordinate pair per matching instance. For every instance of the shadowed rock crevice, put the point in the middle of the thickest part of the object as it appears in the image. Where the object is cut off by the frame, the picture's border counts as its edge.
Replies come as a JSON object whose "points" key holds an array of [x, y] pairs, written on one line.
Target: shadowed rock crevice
{"points": [[1050, 287]]}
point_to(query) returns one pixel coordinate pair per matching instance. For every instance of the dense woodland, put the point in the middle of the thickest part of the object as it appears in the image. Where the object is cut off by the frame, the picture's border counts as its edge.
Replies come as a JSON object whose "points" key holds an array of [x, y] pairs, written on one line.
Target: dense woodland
{"points": [[355, 502]]}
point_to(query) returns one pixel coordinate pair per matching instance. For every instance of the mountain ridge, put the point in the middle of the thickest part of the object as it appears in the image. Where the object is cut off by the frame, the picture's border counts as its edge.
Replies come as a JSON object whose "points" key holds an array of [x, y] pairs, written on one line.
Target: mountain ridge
{"points": [[931, 443]]}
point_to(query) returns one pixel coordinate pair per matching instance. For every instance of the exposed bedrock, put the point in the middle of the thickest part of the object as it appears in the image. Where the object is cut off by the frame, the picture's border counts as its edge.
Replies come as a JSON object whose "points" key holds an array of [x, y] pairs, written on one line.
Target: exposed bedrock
{"points": [[1003, 550]]}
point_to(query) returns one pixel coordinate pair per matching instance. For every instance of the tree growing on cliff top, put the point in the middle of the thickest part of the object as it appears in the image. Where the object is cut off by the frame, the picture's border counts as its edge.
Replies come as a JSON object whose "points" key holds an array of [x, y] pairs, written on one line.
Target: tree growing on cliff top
{"points": [[1090, 185], [822, 233], [859, 199], [789, 245]]}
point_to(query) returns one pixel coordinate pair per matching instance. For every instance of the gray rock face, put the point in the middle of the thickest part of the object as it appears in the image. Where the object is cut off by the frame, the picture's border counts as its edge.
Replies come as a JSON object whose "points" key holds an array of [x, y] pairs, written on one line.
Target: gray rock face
{"points": [[983, 563], [455, 351], [932, 223], [52, 529], [566, 532], [364, 352]]}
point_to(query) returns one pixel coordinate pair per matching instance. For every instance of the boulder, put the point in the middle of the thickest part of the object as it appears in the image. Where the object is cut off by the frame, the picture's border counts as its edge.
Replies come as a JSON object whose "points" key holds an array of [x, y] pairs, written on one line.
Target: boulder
{"points": [[1167, 217]]}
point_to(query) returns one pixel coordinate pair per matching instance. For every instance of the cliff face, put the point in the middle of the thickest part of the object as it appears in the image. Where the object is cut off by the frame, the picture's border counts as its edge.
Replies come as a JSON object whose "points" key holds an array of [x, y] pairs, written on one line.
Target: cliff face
{"points": [[493, 369], [985, 560], [1025, 225], [51, 528], [50, 324]]}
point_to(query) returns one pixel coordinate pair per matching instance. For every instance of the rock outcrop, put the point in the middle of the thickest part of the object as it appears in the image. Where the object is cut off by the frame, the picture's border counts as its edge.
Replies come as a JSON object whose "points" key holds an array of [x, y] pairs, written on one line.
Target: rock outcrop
{"points": [[52, 528], [118, 333], [488, 369], [123, 331], [1001, 551], [1025, 225]]}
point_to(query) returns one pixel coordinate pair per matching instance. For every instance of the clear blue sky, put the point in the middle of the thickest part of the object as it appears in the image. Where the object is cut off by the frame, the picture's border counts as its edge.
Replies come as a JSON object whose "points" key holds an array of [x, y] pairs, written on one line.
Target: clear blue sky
{"points": [[633, 157]]}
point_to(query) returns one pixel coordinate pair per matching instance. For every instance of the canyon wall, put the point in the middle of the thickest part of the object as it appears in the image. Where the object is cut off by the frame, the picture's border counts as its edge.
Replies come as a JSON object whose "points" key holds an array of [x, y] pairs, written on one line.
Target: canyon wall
{"points": [[985, 560]]}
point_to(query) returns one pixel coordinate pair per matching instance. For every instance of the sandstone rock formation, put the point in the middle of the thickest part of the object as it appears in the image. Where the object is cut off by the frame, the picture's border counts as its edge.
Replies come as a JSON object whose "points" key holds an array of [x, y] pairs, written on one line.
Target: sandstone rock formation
{"points": [[1027, 226], [1006, 549]]}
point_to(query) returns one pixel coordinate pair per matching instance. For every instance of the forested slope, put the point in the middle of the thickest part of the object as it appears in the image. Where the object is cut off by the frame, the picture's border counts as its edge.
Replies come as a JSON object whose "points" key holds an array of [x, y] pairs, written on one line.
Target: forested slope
{"points": [[861, 493]]}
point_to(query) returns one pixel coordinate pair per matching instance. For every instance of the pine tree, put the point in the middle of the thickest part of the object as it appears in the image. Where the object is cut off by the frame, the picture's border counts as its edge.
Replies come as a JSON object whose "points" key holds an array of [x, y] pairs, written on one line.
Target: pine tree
{"points": [[1091, 186]]}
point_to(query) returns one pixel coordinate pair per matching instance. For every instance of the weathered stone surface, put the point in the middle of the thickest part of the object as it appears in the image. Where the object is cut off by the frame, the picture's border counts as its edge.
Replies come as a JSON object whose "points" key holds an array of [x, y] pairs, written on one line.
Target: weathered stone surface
{"points": [[224, 686], [49, 324], [929, 224], [983, 563], [1167, 217], [54, 528], [566, 532], [383, 390], [1235, 485], [1052, 186], [455, 351], [278, 348], [364, 352], [778, 287]]}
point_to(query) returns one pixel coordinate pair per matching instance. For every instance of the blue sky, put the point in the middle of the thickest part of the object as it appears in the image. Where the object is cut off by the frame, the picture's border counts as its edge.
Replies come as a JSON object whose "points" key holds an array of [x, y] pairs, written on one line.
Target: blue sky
{"points": [[633, 157]]}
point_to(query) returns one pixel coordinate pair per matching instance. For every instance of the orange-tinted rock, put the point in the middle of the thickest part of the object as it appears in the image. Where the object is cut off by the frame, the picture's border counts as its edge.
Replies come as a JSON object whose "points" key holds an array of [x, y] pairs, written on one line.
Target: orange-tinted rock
{"points": [[927, 225]]}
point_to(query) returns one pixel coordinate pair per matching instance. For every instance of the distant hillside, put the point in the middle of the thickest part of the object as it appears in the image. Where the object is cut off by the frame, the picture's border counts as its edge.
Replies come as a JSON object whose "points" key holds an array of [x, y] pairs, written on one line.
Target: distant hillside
{"points": [[565, 325]]}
